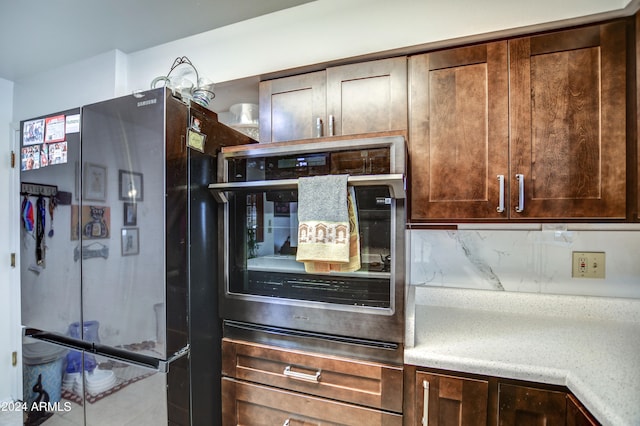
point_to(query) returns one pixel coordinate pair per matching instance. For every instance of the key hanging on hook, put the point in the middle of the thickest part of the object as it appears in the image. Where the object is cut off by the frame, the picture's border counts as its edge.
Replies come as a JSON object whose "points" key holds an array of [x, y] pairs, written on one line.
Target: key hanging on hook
{"points": [[52, 206]]}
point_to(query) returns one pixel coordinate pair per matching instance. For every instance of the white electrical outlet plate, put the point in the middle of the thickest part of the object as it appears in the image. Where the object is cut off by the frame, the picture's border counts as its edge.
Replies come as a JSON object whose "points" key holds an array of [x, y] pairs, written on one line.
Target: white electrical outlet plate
{"points": [[588, 264]]}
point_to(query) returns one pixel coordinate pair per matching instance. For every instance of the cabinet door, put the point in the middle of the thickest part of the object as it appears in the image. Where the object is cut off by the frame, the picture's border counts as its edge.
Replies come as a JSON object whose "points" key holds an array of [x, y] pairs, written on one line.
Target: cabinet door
{"points": [[525, 406], [245, 403], [290, 107], [458, 139], [577, 415], [567, 95], [450, 400], [368, 97]]}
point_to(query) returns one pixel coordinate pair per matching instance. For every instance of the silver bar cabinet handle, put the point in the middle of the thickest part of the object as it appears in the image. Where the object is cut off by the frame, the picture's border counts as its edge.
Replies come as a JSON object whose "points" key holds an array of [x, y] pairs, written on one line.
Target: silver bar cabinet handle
{"points": [[520, 206], [289, 420], [425, 400], [302, 376], [500, 207]]}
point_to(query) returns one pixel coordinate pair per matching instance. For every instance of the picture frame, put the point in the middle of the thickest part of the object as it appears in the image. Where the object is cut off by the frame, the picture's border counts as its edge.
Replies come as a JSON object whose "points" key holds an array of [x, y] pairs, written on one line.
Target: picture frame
{"points": [[130, 186], [196, 140], [130, 241], [130, 214], [54, 129], [33, 132], [281, 208], [95, 222], [94, 183]]}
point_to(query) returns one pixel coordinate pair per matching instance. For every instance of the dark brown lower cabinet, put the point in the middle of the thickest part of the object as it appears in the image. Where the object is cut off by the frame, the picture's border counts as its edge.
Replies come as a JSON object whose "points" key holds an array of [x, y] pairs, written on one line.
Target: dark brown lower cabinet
{"points": [[246, 403], [443, 398], [527, 406], [270, 385], [577, 415], [450, 400]]}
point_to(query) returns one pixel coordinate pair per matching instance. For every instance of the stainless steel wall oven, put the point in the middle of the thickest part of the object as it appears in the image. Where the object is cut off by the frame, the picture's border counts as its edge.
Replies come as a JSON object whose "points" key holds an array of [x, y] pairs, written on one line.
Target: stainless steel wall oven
{"points": [[265, 290]]}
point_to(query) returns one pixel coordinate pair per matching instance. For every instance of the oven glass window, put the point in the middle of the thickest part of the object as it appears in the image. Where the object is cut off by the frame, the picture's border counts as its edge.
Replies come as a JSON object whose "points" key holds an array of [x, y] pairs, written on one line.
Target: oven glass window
{"points": [[263, 236]]}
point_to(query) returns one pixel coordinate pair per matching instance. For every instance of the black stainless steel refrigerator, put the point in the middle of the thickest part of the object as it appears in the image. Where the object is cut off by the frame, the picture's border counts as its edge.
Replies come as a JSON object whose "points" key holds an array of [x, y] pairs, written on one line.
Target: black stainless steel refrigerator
{"points": [[118, 249]]}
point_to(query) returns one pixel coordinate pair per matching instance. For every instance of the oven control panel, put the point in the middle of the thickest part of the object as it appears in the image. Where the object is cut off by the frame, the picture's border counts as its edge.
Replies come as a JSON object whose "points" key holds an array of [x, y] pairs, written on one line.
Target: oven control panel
{"points": [[291, 166]]}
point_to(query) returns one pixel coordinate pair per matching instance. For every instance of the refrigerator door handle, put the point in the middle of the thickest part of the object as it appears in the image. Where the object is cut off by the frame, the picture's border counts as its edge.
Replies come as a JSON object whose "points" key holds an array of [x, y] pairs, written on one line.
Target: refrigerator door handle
{"points": [[163, 366], [59, 339]]}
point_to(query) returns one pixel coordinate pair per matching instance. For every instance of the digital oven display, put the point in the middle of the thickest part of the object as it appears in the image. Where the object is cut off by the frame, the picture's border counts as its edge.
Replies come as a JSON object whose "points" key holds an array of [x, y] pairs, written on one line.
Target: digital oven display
{"points": [[296, 162]]}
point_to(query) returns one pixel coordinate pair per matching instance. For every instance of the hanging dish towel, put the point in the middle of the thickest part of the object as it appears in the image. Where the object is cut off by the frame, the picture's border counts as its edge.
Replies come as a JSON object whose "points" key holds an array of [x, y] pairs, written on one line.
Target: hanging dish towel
{"points": [[354, 244], [324, 223]]}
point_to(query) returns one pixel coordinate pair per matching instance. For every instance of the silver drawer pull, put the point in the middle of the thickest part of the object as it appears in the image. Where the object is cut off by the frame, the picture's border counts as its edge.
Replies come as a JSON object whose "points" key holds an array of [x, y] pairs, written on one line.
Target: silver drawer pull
{"points": [[289, 421], [425, 401], [500, 207], [520, 206], [302, 376]]}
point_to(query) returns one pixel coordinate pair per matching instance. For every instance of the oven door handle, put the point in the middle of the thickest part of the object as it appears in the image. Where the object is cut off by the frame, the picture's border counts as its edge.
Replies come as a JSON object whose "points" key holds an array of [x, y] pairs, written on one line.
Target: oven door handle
{"points": [[395, 182]]}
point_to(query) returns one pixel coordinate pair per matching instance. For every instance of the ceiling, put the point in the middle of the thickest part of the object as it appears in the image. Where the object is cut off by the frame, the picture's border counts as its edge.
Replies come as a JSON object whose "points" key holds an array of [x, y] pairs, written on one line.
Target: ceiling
{"points": [[40, 35]]}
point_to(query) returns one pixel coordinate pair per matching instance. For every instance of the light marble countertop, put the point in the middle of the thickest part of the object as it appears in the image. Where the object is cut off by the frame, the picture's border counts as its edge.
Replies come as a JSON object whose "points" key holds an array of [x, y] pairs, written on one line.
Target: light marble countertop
{"points": [[591, 345]]}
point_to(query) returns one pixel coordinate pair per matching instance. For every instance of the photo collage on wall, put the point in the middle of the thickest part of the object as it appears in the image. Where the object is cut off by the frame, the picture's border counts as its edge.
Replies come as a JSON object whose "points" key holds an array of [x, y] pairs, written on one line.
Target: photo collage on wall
{"points": [[44, 141]]}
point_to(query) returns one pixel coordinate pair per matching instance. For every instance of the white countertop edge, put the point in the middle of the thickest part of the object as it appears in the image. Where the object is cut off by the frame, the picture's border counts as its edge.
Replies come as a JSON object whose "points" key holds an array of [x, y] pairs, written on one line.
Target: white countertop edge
{"points": [[421, 358], [590, 399], [599, 395]]}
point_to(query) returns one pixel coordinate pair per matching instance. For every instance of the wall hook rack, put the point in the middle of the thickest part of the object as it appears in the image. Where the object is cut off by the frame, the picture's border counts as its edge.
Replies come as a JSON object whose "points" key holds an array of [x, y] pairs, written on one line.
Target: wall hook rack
{"points": [[38, 189]]}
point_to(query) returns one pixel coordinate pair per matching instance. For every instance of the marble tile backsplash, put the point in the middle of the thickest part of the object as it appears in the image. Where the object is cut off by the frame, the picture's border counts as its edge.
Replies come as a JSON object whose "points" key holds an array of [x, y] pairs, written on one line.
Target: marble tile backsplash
{"points": [[528, 260]]}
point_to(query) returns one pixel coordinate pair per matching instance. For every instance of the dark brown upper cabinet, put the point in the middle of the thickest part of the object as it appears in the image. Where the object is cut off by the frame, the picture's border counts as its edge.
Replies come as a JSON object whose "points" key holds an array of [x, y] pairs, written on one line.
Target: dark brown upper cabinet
{"points": [[568, 123], [458, 137], [290, 106], [350, 99], [368, 97], [529, 128]]}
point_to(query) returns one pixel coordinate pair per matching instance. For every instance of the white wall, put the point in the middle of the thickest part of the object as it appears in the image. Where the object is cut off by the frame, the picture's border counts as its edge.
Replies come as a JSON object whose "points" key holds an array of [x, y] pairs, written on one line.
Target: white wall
{"points": [[327, 30], [91, 80], [316, 32]]}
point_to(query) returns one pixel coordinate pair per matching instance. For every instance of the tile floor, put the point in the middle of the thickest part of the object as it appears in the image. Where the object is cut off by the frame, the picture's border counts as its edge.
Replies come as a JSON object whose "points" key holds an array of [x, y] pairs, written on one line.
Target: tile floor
{"points": [[134, 405]]}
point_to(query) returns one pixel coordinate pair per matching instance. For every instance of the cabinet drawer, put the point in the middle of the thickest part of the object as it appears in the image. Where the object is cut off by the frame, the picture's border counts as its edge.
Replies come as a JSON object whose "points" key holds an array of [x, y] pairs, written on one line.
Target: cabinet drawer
{"points": [[246, 403], [365, 383]]}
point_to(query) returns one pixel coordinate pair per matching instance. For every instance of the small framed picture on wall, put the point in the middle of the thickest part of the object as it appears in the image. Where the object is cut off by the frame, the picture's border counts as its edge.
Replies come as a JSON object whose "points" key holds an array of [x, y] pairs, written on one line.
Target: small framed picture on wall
{"points": [[94, 185], [130, 186], [130, 214], [130, 240]]}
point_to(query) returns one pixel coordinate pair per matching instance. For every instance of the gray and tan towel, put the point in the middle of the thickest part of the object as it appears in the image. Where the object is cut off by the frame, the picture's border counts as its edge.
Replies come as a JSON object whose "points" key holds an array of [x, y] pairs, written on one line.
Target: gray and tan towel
{"points": [[328, 237]]}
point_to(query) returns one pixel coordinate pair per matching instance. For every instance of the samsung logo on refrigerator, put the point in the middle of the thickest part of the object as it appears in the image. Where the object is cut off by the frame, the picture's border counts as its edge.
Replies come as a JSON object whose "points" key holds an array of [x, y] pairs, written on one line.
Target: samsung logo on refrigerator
{"points": [[148, 102]]}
